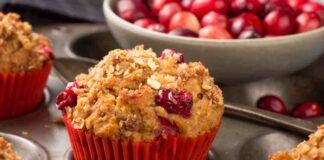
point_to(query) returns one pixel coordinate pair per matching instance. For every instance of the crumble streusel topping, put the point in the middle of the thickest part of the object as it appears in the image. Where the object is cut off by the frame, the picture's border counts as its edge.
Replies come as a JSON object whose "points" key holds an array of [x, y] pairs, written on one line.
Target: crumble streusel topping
{"points": [[313, 149], [117, 98], [6, 151], [20, 48]]}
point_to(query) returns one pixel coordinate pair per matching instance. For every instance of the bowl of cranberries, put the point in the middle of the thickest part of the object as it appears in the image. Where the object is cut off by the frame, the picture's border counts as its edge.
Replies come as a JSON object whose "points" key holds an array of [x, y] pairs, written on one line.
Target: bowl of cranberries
{"points": [[240, 40]]}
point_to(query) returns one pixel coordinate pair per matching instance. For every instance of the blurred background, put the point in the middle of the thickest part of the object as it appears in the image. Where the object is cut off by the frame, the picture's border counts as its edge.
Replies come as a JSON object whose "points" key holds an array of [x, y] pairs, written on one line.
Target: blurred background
{"points": [[55, 11]]}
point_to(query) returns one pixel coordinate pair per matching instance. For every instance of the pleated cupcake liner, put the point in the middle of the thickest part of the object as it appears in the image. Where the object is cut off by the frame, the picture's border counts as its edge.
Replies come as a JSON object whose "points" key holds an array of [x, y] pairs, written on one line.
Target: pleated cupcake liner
{"points": [[87, 146], [22, 92]]}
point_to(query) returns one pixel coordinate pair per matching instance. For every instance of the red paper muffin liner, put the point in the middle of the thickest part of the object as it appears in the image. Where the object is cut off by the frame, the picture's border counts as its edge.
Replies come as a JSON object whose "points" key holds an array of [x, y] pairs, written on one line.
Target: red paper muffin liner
{"points": [[20, 93], [87, 146]]}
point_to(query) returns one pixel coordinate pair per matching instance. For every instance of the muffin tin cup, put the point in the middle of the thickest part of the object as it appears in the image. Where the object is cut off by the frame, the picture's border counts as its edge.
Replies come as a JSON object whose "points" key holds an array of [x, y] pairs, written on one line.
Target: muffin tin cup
{"points": [[88, 146], [21, 93]]}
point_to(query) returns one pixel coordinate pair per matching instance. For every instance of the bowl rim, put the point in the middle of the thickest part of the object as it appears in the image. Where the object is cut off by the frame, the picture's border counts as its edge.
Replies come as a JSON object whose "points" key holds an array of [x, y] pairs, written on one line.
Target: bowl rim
{"points": [[108, 12]]}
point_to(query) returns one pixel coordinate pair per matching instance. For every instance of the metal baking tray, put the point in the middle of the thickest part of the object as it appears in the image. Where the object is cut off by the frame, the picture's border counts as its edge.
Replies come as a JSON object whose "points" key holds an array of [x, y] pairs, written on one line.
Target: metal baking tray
{"points": [[238, 139]]}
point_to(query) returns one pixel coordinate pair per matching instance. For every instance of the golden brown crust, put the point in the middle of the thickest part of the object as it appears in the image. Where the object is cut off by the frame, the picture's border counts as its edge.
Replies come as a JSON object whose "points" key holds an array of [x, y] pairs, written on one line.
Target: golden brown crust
{"points": [[6, 151], [117, 99], [313, 149], [20, 48]]}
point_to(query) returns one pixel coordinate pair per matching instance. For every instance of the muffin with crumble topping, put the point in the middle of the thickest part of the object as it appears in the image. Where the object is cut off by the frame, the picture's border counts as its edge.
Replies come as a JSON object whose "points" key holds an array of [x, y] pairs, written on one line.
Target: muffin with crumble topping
{"points": [[135, 105], [26, 60], [313, 149], [6, 151]]}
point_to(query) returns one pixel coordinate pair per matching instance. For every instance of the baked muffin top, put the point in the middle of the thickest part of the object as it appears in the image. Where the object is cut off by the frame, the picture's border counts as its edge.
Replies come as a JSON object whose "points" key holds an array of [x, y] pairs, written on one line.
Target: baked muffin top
{"points": [[133, 95], [6, 151], [20, 48], [313, 149]]}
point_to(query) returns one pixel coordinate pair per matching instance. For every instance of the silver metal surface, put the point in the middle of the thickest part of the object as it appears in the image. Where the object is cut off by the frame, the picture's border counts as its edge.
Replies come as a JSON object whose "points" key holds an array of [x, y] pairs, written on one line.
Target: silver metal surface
{"points": [[44, 126], [27, 149]]}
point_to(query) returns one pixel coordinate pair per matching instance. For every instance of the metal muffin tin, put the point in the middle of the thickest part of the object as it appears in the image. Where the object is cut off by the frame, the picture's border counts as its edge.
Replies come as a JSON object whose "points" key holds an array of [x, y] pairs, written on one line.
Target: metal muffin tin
{"points": [[27, 149], [238, 139]]}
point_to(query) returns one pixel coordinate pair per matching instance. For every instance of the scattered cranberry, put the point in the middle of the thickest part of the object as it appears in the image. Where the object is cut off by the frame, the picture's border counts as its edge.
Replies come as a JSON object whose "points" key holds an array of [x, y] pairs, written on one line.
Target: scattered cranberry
{"points": [[214, 18], [175, 102], [314, 7], [308, 110], [307, 22], [144, 22], [201, 7], [47, 52], [168, 128], [183, 32], [272, 103], [131, 10], [252, 6], [185, 20], [222, 6], [171, 52], [279, 22], [167, 12], [157, 28], [249, 34], [214, 32], [246, 21], [157, 5]]}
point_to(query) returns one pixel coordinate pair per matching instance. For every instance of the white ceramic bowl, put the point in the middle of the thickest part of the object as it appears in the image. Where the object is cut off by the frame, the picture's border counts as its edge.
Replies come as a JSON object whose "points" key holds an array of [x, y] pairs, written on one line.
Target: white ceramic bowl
{"points": [[229, 61]]}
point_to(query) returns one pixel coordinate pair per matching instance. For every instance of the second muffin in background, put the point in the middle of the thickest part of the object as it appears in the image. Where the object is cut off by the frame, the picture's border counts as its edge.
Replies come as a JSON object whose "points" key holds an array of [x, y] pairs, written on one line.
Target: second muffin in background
{"points": [[25, 63], [133, 104]]}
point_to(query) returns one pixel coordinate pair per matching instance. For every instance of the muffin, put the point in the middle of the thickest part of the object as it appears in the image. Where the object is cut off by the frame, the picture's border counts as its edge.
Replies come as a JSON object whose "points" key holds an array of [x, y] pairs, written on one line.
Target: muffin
{"points": [[6, 151], [313, 149], [135, 105], [26, 59]]}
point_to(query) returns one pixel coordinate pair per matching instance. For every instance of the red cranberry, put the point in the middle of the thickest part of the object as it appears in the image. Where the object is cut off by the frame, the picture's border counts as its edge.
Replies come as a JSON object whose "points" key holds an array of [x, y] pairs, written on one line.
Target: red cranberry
{"points": [[157, 28], [157, 5], [144, 22], [66, 99], [175, 102], [47, 52], [214, 32], [131, 10], [296, 4], [222, 6], [272, 103], [308, 110], [201, 7], [279, 5], [246, 21], [313, 7], [252, 6], [168, 128], [183, 32], [307, 22], [185, 20], [249, 34], [171, 52], [278, 22], [167, 12], [70, 86], [214, 18], [186, 4]]}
